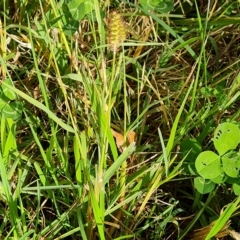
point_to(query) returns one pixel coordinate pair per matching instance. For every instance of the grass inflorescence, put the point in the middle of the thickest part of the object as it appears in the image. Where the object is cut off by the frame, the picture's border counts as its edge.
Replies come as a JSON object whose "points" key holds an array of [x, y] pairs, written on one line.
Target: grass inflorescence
{"points": [[116, 30]]}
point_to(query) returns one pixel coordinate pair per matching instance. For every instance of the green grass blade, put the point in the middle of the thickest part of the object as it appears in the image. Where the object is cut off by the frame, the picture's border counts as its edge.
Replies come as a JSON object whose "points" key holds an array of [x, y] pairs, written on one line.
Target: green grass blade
{"points": [[222, 220], [115, 166], [171, 140], [99, 218]]}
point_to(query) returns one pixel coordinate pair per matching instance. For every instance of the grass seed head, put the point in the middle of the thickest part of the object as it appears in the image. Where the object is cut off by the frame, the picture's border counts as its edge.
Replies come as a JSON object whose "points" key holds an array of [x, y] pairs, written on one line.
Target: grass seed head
{"points": [[116, 30]]}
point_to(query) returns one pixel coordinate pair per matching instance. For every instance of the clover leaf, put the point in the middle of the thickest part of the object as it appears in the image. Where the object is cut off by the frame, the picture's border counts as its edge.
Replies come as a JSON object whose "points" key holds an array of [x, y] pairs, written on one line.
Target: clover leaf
{"points": [[208, 165], [226, 137]]}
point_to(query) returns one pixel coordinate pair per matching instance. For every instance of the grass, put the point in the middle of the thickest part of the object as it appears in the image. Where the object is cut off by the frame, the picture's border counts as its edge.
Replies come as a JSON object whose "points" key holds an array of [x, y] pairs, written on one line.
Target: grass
{"points": [[94, 114]]}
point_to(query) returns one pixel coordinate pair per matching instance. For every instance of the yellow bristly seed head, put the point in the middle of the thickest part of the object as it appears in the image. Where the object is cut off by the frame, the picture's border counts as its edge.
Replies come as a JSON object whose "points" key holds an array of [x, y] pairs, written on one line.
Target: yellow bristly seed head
{"points": [[116, 30]]}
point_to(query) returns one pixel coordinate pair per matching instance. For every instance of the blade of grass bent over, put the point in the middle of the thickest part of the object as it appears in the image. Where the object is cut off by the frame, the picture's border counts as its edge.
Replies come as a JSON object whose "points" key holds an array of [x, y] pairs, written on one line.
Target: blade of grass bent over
{"points": [[223, 219]]}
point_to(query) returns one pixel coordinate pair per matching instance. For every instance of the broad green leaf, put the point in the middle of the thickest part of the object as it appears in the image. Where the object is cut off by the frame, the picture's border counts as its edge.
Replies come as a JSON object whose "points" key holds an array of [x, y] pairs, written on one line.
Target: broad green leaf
{"points": [[77, 9], [226, 137], [220, 178], [208, 165], [2, 104], [5, 93], [13, 110], [231, 164], [88, 5], [162, 6], [165, 6], [203, 185], [236, 189], [149, 4]]}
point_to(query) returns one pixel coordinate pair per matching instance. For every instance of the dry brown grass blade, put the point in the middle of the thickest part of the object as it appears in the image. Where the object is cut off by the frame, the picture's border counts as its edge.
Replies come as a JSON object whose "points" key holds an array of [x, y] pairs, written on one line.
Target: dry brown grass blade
{"points": [[144, 39], [120, 139], [200, 234], [234, 234]]}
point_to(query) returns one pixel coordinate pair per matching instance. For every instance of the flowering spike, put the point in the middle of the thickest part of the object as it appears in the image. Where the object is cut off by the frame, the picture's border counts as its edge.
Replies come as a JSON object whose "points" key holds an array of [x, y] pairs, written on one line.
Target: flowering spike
{"points": [[116, 30]]}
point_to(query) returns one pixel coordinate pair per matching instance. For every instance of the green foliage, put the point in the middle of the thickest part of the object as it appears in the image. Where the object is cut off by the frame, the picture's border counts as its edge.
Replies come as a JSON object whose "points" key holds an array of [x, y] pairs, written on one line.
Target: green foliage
{"points": [[229, 7], [212, 92], [69, 166], [190, 148], [226, 137], [203, 185], [208, 164], [220, 178], [227, 213], [161, 6], [231, 164], [218, 168], [79, 9], [236, 188], [9, 105], [70, 13]]}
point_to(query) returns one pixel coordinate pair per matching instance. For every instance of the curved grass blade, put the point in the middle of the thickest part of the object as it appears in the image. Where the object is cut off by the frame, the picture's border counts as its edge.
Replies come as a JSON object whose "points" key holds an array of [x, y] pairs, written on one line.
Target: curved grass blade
{"points": [[223, 219], [40, 106]]}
